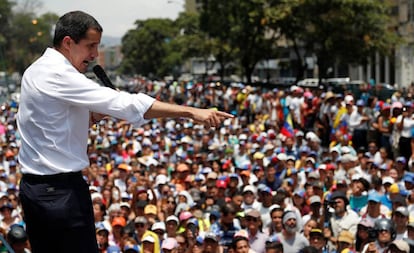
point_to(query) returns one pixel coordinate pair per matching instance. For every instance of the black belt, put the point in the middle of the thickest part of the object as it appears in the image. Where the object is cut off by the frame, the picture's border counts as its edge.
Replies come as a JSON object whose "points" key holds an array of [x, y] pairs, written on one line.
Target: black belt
{"points": [[54, 177]]}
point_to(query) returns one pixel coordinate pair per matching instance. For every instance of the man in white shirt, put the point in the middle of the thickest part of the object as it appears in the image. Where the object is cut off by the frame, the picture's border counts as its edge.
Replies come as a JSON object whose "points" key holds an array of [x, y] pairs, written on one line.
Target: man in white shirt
{"points": [[58, 104]]}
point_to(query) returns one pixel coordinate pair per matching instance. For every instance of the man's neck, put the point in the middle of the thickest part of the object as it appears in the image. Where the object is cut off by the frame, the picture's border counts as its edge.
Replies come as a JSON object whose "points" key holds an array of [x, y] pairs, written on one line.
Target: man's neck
{"points": [[288, 235]]}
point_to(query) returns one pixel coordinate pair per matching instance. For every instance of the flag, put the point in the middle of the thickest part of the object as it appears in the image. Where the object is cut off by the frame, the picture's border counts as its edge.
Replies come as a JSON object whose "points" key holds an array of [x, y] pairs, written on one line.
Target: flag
{"points": [[287, 129]]}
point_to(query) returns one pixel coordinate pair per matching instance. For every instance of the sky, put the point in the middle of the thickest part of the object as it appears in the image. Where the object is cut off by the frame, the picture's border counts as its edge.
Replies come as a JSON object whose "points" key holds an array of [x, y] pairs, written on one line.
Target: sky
{"points": [[116, 17]]}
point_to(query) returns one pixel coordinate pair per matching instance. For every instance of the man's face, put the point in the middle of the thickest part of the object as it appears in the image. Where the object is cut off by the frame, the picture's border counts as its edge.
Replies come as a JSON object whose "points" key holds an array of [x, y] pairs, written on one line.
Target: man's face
{"points": [[373, 208], [339, 205], [277, 219], [85, 51], [400, 220], [210, 245], [384, 236], [290, 225], [317, 241], [253, 223], [248, 197], [148, 247], [242, 246]]}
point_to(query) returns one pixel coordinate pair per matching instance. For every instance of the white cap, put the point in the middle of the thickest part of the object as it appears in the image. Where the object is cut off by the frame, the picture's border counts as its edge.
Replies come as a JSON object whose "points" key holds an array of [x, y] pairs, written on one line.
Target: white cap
{"points": [[249, 188], [172, 218], [158, 225], [348, 99], [387, 179], [161, 179], [148, 238], [281, 157]]}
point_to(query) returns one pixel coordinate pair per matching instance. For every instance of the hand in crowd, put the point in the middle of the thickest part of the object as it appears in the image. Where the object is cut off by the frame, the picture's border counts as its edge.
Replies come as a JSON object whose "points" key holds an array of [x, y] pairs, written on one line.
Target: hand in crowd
{"points": [[210, 117]]}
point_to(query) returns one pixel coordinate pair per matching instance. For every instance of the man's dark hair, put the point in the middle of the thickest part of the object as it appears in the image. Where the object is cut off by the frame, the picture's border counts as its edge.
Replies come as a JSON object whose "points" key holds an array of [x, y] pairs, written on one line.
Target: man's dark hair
{"points": [[228, 208], [238, 239], [74, 24]]}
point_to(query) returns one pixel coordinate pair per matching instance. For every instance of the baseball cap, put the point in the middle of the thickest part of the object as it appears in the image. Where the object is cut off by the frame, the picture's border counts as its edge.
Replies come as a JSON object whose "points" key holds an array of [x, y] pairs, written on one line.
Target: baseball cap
{"points": [[210, 235], [212, 175], [140, 219], [125, 204], [221, 184], [409, 177], [314, 174], [169, 243], [131, 248], [118, 221], [402, 210], [346, 236], [193, 221], [101, 227], [374, 196], [150, 209], [249, 188], [158, 226], [113, 249], [123, 166], [253, 213], [185, 215], [400, 245], [360, 102], [172, 218], [316, 231], [315, 199], [366, 223], [399, 199], [401, 159], [387, 180], [149, 239]]}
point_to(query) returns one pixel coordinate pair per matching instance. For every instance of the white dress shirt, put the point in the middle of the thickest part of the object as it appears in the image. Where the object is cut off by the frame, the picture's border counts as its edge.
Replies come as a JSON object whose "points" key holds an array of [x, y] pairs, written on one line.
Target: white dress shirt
{"points": [[53, 116]]}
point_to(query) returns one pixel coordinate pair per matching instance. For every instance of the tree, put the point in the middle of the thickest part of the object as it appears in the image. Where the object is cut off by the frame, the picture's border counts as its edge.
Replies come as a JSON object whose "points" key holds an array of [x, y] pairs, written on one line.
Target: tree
{"points": [[240, 31], [338, 31], [29, 37], [144, 47], [5, 15]]}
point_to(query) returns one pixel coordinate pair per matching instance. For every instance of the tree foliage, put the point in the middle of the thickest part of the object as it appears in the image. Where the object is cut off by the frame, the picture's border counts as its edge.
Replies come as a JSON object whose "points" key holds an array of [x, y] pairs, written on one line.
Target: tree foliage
{"points": [[144, 47], [23, 35], [240, 31], [336, 31]]}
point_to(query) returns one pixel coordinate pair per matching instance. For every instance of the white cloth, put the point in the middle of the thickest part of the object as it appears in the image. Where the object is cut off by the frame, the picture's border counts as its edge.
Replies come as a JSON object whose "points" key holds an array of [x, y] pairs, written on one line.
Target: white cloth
{"points": [[53, 116]]}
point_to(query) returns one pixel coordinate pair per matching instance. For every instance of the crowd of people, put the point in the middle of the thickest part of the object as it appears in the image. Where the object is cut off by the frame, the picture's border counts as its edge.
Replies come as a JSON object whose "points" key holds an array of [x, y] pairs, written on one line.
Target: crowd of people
{"points": [[296, 170]]}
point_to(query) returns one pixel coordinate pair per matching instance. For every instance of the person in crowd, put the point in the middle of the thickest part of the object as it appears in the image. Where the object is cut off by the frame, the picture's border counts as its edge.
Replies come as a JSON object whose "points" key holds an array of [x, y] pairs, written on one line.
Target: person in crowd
{"points": [[365, 234], [308, 227], [256, 237], [102, 237], [291, 239], [317, 240], [385, 234], [59, 104], [342, 218], [399, 246], [211, 244], [274, 245], [169, 245], [400, 217], [345, 241], [276, 225], [18, 239]]}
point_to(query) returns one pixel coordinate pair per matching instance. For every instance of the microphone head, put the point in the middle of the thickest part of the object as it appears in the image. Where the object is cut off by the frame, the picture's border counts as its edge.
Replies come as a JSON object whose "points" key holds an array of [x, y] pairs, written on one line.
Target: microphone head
{"points": [[100, 73]]}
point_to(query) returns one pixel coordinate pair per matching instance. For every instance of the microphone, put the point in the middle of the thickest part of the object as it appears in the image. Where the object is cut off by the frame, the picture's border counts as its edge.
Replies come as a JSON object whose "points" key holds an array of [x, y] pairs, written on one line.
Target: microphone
{"points": [[100, 73]]}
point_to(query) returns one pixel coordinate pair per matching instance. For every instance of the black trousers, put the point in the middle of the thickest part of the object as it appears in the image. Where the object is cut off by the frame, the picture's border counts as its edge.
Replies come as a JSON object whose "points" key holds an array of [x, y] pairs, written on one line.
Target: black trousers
{"points": [[58, 213]]}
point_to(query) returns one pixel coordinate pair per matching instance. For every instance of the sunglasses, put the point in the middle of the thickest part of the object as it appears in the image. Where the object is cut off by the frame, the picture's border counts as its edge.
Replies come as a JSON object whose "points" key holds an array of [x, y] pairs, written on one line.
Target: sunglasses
{"points": [[252, 219], [139, 225]]}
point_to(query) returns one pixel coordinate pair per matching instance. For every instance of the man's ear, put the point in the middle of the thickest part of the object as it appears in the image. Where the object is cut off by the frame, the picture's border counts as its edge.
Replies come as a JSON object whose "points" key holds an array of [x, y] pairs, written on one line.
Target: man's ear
{"points": [[66, 42]]}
